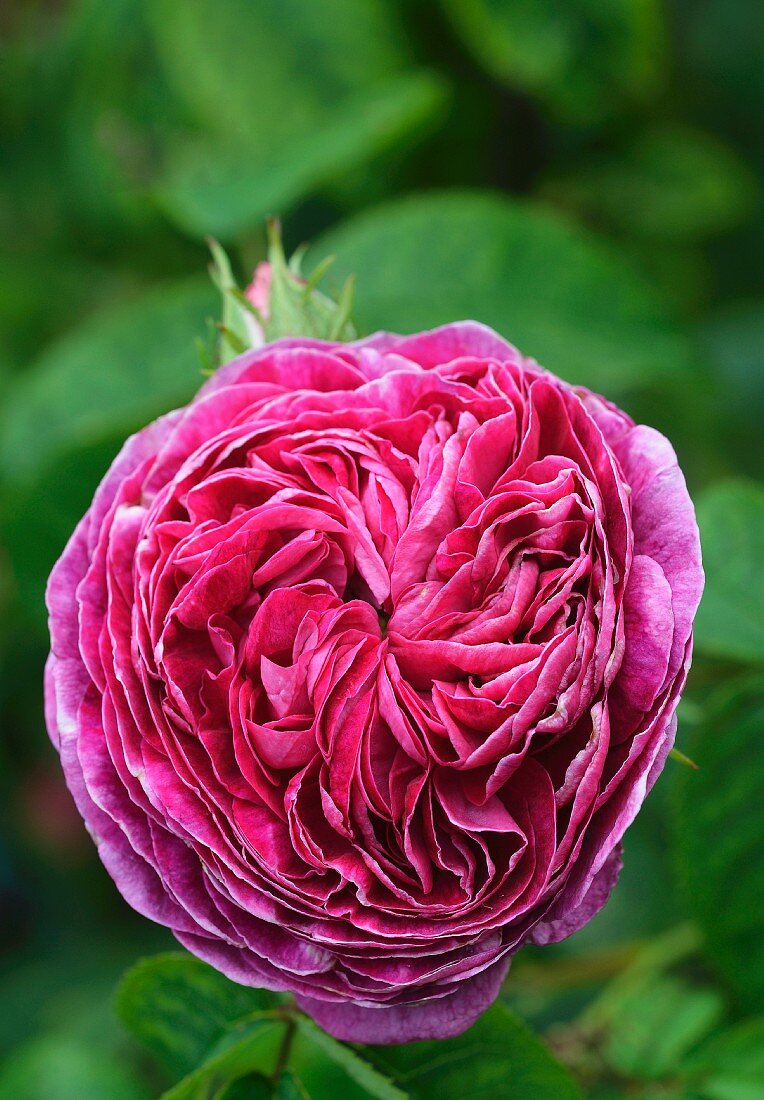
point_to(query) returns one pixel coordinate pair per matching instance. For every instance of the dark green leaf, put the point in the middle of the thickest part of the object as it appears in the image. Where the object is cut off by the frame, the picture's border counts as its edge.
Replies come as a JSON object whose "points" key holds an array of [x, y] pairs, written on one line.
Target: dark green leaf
{"points": [[179, 1008], [498, 1057], [254, 1086], [39, 296], [290, 1087], [670, 182], [719, 46], [329, 1069], [248, 1047], [582, 58], [733, 341], [720, 834], [555, 291], [730, 620], [37, 518]]}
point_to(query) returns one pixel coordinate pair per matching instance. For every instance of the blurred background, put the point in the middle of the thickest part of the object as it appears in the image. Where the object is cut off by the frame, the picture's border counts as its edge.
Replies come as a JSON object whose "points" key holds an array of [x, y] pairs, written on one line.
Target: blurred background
{"points": [[585, 176]]}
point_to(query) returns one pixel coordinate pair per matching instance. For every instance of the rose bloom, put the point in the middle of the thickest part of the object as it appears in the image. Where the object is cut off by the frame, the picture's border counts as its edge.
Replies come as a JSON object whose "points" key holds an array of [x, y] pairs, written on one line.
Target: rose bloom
{"points": [[363, 663]]}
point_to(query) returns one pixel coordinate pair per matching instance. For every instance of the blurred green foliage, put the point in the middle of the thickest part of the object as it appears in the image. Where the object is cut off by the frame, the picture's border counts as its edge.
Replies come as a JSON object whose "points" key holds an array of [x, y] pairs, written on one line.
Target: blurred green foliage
{"points": [[586, 177]]}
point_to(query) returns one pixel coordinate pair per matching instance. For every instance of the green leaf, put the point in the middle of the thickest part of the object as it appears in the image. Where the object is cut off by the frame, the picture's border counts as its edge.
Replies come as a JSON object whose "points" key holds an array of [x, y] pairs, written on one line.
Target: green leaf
{"points": [[112, 120], [328, 1069], [718, 51], [318, 91], [248, 1047], [730, 622], [498, 1057], [671, 182], [733, 340], [254, 1086], [719, 834], [179, 1007], [65, 1068], [730, 1066], [38, 516], [655, 1027], [555, 291], [290, 1087], [257, 71], [226, 187], [42, 294], [583, 59], [114, 373]]}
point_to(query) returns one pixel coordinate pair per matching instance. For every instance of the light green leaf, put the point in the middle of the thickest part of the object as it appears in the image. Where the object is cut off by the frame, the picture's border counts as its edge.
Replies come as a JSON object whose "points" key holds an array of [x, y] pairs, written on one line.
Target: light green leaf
{"points": [[225, 187], [556, 292], [66, 1068], [583, 59], [655, 1027], [730, 1066], [179, 1007], [114, 373], [257, 71], [66, 417], [317, 91], [498, 1057], [671, 182], [719, 834], [730, 622]]}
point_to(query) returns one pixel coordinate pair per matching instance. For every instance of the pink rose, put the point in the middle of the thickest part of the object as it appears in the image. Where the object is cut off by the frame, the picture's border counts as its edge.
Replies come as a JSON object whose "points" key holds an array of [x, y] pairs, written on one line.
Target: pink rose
{"points": [[363, 663]]}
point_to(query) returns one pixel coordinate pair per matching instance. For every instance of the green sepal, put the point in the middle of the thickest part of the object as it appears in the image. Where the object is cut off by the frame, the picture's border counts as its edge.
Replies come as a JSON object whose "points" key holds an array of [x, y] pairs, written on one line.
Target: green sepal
{"points": [[235, 335], [295, 306]]}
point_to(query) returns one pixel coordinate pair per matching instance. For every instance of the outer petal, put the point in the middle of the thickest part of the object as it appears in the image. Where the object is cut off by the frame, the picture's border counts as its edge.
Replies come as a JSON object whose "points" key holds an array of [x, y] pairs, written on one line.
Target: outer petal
{"points": [[441, 1018], [564, 919], [665, 528]]}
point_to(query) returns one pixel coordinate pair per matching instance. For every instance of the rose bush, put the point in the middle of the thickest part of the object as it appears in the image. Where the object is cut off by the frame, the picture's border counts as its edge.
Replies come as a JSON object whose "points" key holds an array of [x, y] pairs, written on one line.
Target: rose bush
{"points": [[363, 663]]}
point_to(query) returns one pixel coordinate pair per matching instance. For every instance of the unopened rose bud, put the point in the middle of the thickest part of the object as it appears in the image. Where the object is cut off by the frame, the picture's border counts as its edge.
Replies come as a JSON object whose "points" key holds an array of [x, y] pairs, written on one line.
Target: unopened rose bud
{"points": [[258, 295]]}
